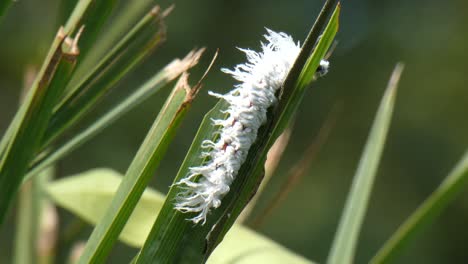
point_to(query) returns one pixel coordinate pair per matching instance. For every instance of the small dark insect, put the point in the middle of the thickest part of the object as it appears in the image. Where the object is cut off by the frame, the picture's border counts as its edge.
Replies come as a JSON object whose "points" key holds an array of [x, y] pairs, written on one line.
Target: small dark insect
{"points": [[322, 69]]}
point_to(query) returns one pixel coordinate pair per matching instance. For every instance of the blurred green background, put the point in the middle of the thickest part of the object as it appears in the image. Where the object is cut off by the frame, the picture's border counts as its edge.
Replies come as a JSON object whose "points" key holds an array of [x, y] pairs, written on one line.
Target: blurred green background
{"points": [[428, 135]]}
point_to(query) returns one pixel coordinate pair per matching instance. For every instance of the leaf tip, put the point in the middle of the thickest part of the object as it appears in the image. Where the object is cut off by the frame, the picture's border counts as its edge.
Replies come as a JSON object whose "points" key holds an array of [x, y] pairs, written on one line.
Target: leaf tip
{"points": [[168, 10], [395, 77], [178, 66]]}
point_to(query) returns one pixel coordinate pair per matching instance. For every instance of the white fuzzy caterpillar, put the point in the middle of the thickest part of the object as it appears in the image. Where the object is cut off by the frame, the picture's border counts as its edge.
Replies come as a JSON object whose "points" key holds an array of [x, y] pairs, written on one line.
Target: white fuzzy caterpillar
{"points": [[260, 78]]}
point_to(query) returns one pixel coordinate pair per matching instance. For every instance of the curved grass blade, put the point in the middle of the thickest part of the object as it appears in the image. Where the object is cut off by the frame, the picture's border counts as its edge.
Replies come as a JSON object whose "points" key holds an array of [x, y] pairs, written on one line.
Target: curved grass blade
{"points": [[152, 86], [448, 190], [345, 241], [173, 239], [139, 173]]}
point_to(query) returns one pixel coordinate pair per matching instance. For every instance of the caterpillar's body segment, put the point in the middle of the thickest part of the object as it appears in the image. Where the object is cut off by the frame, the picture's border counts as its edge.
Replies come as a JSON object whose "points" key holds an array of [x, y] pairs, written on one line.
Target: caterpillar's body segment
{"points": [[260, 78]]}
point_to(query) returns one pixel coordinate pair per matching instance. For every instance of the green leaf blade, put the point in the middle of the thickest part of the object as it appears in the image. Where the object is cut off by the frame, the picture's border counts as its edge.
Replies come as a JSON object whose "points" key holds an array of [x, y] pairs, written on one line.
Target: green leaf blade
{"points": [[34, 115], [448, 190], [173, 239], [345, 240]]}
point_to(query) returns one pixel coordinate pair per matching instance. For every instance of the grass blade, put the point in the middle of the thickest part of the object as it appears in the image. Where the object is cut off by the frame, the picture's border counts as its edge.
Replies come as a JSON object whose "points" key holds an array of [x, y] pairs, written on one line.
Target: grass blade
{"points": [[136, 45], [28, 205], [448, 190], [173, 239], [345, 240], [139, 173], [62, 68], [34, 116], [128, 13], [306, 64], [18, 146], [152, 86]]}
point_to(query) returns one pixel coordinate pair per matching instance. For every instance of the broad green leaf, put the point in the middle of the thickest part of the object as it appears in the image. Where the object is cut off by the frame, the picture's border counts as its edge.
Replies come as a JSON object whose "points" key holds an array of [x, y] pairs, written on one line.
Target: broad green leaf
{"points": [[244, 246], [345, 241], [168, 240], [139, 173], [89, 194], [445, 194], [152, 86]]}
